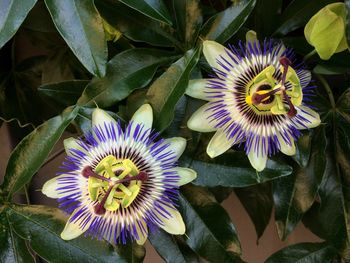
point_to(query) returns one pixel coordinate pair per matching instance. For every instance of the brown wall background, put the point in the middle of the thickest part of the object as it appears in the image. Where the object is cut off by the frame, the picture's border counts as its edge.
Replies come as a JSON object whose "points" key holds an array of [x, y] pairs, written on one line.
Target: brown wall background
{"points": [[253, 252]]}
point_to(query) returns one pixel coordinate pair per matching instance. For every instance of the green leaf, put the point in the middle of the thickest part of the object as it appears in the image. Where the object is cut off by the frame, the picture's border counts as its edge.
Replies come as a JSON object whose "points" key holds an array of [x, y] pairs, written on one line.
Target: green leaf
{"points": [[325, 69], [127, 71], [303, 149], [225, 24], [170, 248], [12, 15], [12, 248], [32, 151], [210, 231], [298, 13], [80, 24], [294, 195], [65, 93], [304, 252], [166, 91], [234, 170], [154, 9], [136, 26], [257, 201], [188, 20], [42, 226]]}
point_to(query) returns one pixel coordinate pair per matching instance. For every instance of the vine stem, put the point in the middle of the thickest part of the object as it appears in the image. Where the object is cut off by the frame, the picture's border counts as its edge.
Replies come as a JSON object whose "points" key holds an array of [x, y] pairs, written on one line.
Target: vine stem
{"points": [[310, 54], [328, 90]]}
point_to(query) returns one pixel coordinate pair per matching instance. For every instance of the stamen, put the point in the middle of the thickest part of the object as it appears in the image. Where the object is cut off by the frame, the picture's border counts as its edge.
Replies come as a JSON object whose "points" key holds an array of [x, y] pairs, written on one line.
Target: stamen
{"points": [[285, 62], [88, 172], [142, 176], [99, 208]]}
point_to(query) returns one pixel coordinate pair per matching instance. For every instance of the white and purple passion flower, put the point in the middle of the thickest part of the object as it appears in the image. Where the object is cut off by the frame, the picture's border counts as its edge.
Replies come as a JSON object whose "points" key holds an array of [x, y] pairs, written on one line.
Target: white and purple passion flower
{"points": [[118, 184], [257, 96]]}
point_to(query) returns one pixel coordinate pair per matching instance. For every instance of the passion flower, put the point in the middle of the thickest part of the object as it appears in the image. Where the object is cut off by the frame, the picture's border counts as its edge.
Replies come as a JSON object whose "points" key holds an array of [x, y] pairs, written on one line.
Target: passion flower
{"points": [[258, 96], [117, 184]]}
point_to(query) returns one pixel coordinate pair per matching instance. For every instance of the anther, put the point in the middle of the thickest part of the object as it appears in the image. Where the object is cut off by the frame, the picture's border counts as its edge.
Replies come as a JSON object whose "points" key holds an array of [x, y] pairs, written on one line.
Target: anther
{"points": [[142, 176], [99, 208]]}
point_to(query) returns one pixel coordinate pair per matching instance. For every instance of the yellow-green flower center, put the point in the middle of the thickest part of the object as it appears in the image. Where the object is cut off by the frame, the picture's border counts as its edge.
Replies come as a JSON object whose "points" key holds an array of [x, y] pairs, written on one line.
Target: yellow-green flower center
{"points": [[114, 183], [267, 94]]}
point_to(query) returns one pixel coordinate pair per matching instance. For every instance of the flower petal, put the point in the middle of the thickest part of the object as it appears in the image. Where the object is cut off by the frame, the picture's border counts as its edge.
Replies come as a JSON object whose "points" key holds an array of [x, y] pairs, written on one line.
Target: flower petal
{"points": [[50, 188], [187, 175], [72, 144], [199, 122], [142, 232], [257, 160], [100, 117], [219, 144], [196, 89], [177, 145], [217, 56], [174, 223], [77, 224], [144, 116], [287, 147], [306, 118]]}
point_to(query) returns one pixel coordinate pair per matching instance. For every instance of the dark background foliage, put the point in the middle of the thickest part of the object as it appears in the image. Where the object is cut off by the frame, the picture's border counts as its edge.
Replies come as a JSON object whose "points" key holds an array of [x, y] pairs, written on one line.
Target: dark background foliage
{"points": [[70, 64]]}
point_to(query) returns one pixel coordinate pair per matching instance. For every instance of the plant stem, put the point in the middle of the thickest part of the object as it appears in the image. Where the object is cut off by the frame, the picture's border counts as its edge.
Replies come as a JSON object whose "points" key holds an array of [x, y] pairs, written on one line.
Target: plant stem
{"points": [[26, 194], [328, 90], [309, 55]]}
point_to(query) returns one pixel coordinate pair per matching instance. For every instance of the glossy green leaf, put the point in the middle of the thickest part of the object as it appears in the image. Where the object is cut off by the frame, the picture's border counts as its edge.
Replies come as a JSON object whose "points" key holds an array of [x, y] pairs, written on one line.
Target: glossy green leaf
{"points": [[298, 13], [65, 93], [127, 71], [294, 195], [12, 248], [188, 20], [154, 9], [225, 24], [32, 151], [257, 201], [136, 26], [234, 170], [303, 148], [304, 252], [12, 15], [166, 91], [170, 248], [80, 24], [211, 234], [325, 69], [42, 226]]}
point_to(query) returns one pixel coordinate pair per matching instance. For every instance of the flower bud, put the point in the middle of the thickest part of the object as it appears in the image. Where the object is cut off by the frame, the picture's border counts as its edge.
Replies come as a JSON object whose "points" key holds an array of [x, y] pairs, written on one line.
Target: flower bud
{"points": [[326, 30]]}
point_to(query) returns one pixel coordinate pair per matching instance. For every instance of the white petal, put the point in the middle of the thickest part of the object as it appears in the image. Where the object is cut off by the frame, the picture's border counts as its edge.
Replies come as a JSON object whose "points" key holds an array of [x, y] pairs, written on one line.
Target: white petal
{"points": [[174, 223], [187, 175], [144, 116], [100, 117], [142, 233], [219, 144], [196, 89], [257, 160], [308, 118], [199, 121], [177, 145], [216, 54], [50, 188], [288, 149], [72, 143], [73, 229]]}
